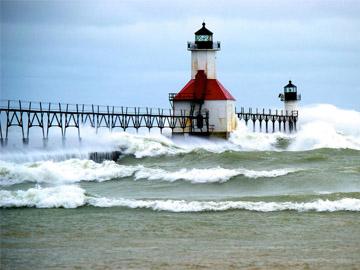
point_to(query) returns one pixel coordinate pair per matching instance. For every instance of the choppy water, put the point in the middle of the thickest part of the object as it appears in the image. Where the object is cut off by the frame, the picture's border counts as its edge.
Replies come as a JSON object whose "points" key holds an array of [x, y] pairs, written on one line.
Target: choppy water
{"points": [[255, 201]]}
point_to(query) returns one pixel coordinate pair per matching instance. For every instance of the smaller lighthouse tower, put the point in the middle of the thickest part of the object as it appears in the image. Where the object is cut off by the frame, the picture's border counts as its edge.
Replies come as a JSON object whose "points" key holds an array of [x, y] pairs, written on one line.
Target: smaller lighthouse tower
{"points": [[204, 93], [290, 98]]}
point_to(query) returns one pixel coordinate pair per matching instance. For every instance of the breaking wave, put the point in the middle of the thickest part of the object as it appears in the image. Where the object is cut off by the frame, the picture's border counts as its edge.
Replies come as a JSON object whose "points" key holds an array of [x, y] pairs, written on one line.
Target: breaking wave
{"points": [[319, 126], [345, 204], [71, 196], [52, 197], [212, 175], [76, 170], [62, 172]]}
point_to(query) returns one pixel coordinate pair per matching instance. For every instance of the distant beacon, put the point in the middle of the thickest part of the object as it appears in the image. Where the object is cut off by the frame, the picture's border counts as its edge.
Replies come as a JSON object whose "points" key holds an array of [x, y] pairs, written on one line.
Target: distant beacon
{"points": [[204, 93], [290, 98]]}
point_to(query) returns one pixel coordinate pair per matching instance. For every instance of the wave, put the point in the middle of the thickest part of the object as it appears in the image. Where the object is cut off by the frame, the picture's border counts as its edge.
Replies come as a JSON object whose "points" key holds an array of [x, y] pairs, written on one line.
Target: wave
{"points": [[212, 175], [62, 172], [76, 170], [32, 155], [145, 145], [66, 196], [71, 196], [319, 126], [345, 204]]}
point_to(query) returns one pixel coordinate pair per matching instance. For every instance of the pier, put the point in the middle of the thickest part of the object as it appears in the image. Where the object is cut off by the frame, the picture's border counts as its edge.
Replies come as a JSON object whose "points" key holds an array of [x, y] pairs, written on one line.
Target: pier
{"points": [[283, 121], [44, 115]]}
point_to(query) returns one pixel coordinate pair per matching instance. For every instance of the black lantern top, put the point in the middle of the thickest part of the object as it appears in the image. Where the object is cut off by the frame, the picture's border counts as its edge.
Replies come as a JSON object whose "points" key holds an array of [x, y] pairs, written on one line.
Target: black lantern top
{"points": [[290, 88], [204, 38], [203, 31], [290, 93]]}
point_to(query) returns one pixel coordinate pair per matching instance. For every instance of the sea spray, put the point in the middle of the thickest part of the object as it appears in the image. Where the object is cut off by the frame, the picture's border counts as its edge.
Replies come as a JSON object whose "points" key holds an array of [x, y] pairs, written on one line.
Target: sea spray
{"points": [[326, 126], [319, 126]]}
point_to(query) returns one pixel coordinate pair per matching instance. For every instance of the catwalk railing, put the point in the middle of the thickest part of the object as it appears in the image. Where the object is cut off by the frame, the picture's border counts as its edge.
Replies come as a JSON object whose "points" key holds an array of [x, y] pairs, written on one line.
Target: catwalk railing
{"points": [[44, 115], [281, 120]]}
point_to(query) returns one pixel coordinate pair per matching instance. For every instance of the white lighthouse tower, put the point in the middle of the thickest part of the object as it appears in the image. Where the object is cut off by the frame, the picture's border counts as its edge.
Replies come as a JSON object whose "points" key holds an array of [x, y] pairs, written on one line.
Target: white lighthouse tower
{"points": [[203, 53], [204, 93], [290, 98]]}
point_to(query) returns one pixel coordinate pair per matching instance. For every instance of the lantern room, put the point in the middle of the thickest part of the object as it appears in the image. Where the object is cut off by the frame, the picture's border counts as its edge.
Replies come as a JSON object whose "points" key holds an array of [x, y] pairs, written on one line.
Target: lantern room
{"points": [[290, 97], [204, 38]]}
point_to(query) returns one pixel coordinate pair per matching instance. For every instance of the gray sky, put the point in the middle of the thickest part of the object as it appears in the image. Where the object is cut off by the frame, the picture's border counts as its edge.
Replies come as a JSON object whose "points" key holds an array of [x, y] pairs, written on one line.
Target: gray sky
{"points": [[134, 52]]}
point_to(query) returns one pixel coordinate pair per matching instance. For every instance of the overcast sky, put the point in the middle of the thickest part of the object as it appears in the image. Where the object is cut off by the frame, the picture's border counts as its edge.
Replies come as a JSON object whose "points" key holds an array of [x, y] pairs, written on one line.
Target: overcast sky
{"points": [[134, 52]]}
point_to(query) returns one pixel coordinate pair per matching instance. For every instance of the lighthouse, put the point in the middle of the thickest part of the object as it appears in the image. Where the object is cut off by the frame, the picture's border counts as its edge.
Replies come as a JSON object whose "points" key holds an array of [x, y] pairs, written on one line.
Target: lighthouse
{"points": [[204, 94], [290, 98]]}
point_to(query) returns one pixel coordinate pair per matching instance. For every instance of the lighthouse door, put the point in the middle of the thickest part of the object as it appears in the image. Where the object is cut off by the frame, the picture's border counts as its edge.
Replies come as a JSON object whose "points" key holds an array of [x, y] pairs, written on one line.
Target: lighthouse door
{"points": [[199, 121]]}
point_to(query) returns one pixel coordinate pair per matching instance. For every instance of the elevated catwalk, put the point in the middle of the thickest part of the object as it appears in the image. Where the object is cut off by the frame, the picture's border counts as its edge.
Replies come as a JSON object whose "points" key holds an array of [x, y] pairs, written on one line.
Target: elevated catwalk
{"points": [[28, 114], [44, 115]]}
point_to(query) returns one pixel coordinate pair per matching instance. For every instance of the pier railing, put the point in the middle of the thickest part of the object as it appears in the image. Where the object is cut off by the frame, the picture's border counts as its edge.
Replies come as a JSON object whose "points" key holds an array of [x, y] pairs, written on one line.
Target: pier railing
{"points": [[46, 115], [279, 120]]}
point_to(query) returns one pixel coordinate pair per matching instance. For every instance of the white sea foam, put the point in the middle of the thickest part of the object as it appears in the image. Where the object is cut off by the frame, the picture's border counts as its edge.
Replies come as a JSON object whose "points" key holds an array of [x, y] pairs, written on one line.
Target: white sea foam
{"points": [[144, 145], [69, 196], [319, 126], [62, 172], [327, 126], [72, 196], [211, 175], [76, 170], [345, 204]]}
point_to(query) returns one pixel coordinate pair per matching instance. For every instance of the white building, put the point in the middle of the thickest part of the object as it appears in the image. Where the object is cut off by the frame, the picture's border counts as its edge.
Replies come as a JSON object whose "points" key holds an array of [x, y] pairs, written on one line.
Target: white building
{"points": [[290, 98], [204, 93]]}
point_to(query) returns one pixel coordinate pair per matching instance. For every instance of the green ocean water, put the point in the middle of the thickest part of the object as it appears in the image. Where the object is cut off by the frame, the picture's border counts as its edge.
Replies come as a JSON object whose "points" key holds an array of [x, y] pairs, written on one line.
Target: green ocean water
{"points": [[307, 217], [117, 238], [256, 201]]}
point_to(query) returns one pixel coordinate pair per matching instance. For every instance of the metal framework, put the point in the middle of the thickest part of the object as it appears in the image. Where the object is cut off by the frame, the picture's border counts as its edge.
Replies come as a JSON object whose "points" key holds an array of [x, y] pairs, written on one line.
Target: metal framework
{"points": [[286, 120], [28, 114], [44, 115]]}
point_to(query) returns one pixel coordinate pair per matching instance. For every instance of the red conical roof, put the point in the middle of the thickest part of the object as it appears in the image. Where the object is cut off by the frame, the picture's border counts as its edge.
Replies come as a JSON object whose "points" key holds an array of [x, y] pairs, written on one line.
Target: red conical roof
{"points": [[202, 88]]}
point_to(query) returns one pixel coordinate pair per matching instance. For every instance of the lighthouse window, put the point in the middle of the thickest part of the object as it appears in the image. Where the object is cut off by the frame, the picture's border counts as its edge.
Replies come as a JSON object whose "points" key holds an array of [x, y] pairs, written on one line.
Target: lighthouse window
{"points": [[290, 90], [202, 38]]}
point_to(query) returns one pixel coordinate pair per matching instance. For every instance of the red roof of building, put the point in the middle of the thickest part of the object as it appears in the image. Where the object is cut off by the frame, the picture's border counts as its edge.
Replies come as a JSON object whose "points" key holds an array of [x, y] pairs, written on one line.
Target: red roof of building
{"points": [[202, 88]]}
